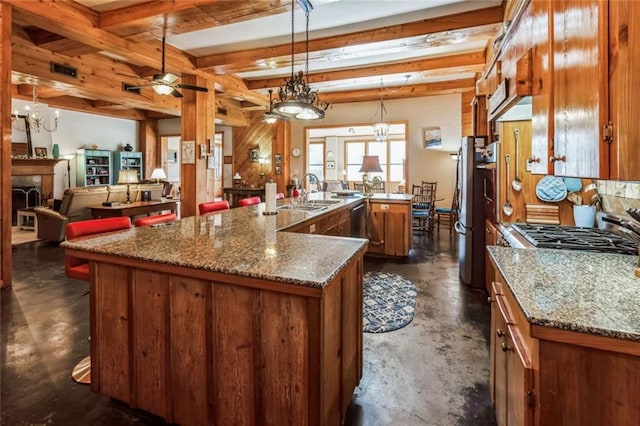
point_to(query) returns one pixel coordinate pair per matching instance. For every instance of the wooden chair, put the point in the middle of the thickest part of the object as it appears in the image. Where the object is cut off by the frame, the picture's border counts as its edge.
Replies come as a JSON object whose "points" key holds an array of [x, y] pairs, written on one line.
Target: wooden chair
{"points": [[249, 201], [79, 269], [449, 215], [422, 208], [155, 219], [213, 206]]}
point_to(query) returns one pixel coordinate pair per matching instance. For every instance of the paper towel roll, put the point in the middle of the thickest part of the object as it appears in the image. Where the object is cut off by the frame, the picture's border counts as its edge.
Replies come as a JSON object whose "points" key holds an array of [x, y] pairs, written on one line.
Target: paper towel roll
{"points": [[270, 197]]}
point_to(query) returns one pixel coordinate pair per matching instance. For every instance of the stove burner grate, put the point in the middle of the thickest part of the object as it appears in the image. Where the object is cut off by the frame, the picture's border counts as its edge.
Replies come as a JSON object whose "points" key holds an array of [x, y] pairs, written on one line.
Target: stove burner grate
{"points": [[574, 238]]}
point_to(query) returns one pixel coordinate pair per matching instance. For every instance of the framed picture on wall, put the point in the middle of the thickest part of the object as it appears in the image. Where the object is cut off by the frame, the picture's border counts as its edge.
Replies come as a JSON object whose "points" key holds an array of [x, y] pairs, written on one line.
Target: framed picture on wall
{"points": [[278, 170], [277, 159], [188, 152], [254, 155]]}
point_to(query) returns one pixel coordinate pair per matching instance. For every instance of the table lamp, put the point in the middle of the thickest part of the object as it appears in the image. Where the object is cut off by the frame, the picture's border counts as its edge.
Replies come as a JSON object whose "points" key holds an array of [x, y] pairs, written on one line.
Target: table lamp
{"points": [[158, 174], [128, 177], [370, 164]]}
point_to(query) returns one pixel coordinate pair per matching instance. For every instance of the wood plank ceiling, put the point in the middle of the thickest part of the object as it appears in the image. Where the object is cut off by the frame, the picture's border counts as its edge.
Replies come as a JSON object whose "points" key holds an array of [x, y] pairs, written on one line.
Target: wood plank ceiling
{"points": [[110, 42]]}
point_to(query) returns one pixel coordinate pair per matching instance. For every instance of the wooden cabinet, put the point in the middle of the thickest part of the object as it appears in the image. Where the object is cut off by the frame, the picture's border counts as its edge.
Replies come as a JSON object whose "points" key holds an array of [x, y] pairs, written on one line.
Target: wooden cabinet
{"points": [[491, 236], [511, 366], [336, 223], [93, 167], [125, 160], [624, 89], [580, 97], [389, 228], [584, 91]]}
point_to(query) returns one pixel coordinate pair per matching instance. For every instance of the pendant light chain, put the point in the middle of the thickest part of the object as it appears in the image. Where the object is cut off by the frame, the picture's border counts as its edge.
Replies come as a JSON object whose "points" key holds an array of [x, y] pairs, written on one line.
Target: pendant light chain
{"points": [[293, 8], [306, 47]]}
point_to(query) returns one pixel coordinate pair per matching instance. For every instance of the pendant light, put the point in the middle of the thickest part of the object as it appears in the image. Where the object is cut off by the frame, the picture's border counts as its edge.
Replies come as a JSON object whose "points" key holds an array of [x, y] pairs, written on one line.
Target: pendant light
{"points": [[381, 128], [296, 99]]}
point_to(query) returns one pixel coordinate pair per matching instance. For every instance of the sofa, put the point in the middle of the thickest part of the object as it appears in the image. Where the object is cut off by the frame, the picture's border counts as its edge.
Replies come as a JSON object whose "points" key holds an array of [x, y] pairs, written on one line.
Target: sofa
{"points": [[52, 223]]}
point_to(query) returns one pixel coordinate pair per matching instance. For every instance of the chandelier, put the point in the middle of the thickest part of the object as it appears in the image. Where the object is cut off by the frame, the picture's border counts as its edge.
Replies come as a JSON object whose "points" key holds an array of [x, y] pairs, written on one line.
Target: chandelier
{"points": [[37, 117], [296, 99], [381, 128]]}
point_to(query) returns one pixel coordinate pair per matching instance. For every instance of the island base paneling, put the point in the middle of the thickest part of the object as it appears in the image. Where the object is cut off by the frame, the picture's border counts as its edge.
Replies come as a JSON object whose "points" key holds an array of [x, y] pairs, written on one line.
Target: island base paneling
{"points": [[201, 351]]}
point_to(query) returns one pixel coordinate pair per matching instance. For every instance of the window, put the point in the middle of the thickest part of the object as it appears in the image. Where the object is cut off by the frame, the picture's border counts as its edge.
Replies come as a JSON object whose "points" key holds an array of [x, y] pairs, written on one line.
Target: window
{"points": [[391, 154], [315, 159]]}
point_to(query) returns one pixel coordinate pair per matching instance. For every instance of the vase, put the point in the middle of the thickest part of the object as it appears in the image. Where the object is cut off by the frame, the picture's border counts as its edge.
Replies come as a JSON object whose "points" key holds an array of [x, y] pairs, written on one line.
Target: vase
{"points": [[55, 151], [584, 216]]}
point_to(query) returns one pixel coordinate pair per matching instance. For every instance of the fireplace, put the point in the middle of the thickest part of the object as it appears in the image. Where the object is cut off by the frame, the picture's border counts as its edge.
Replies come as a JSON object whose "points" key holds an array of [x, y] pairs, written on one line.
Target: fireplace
{"points": [[31, 183]]}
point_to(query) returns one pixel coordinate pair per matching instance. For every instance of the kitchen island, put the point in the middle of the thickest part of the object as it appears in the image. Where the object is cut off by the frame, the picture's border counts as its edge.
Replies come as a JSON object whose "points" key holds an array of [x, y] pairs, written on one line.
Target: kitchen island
{"points": [[222, 319], [565, 337]]}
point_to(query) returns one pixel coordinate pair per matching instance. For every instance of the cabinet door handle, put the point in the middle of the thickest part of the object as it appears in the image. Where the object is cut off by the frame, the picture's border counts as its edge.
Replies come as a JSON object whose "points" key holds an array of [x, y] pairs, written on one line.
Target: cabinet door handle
{"points": [[504, 347], [562, 158], [500, 333]]}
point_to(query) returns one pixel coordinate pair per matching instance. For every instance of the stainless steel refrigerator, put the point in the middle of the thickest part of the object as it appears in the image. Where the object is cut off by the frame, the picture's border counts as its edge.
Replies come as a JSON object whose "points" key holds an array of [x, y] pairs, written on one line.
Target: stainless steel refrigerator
{"points": [[470, 225]]}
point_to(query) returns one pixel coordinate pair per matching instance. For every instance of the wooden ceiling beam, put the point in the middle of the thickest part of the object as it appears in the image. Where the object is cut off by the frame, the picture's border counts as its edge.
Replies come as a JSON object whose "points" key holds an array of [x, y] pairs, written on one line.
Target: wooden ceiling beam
{"points": [[124, 16], [68, 21], [71, 103], [230, 86], [491, 15], [409, 91], [26, 91], [96, 78], [437, 63]]}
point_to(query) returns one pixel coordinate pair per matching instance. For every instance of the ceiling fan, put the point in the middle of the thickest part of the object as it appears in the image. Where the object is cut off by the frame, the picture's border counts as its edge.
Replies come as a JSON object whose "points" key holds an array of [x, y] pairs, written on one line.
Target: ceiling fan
{"points": [[166, 83]]}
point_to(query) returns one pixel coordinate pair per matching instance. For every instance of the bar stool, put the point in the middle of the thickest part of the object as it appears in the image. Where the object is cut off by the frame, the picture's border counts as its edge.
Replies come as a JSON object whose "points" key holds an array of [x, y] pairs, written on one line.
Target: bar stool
{"points": [[249, 201], [213, 206], [155, 219], [78, 269]]}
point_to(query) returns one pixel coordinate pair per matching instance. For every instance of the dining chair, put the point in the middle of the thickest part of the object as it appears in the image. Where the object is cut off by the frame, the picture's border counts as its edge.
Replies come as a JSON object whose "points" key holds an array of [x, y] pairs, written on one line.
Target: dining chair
{"points": [[449, 215], [422, 208], [249, 201], [155, 219], [78, 269], [213, 206]]}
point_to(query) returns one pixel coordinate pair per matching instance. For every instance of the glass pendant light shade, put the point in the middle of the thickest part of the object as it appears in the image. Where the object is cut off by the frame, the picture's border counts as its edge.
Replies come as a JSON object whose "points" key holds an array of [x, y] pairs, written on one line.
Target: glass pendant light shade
{"points": [[161, 89]]}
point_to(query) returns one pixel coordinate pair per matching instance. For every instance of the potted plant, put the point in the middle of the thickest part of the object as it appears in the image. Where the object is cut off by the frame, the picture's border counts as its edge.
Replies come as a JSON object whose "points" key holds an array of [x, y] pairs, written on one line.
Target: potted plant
{"points": [[584, 214]]}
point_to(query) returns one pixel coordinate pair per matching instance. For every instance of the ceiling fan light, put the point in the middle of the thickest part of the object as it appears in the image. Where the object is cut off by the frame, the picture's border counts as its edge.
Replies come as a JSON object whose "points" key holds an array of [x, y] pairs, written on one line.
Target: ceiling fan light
{"points": [[270, 118], [162, 89]]}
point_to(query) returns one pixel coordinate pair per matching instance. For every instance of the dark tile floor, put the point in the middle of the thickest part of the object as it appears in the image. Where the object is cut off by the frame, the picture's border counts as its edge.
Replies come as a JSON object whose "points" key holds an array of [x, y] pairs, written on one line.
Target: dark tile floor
{"points": [[432, 372]]}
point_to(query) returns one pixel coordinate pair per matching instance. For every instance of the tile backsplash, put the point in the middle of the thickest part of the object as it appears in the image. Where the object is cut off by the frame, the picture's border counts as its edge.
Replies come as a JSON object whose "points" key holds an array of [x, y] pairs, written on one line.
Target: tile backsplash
{"points": [[618, 196]]}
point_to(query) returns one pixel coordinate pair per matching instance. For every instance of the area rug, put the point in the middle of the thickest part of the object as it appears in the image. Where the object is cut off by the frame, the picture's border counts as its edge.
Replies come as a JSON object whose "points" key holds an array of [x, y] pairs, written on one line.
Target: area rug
{"points": [[389, 302]]}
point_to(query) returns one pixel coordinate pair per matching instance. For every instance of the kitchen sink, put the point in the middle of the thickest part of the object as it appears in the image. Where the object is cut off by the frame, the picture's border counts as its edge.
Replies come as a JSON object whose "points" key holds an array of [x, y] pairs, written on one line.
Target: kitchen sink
{"points": [[322, 202], [306, 208]]}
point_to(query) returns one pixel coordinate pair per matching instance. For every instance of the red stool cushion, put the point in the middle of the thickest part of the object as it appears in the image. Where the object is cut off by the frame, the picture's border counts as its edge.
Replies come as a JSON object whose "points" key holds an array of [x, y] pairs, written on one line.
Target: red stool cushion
{"points": [[249, 201], [158, 218], [213, 206]]}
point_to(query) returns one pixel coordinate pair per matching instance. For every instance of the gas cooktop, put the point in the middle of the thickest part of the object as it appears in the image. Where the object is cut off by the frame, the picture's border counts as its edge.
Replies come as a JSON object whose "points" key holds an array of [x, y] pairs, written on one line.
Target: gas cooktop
{"points": [[573, 238]]}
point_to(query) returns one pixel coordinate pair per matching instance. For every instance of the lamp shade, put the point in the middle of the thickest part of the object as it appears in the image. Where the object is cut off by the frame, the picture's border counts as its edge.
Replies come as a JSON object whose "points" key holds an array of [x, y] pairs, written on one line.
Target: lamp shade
{"points": [[370, 164], [158, 174], [127, 176]]}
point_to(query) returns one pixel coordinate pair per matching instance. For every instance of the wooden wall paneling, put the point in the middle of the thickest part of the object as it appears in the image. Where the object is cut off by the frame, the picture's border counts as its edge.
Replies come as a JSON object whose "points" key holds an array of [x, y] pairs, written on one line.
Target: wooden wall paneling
{"points": [[149, 145], [282, 145], [529, 180], [235, 355], [190, 336], [197, 125], [258, 135], [624, 89], [111, 364], [5, 146], [284, 343], [150, 320], [467, 112]]}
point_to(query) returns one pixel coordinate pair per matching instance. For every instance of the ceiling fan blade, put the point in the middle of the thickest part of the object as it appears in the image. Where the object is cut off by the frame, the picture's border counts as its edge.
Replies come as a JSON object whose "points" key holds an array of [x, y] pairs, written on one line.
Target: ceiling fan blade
{"points": [[189, 87], [176, 94]]}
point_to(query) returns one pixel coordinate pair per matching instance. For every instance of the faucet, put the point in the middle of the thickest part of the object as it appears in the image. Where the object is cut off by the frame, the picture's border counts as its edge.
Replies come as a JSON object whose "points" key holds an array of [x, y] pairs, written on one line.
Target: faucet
{"points": [[312, 178]]}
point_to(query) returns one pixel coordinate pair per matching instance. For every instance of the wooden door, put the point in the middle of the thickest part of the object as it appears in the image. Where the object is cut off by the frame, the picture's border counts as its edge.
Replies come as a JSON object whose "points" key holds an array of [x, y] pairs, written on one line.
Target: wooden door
{"points": [[580, 87], [519, 380], [624, 89]]}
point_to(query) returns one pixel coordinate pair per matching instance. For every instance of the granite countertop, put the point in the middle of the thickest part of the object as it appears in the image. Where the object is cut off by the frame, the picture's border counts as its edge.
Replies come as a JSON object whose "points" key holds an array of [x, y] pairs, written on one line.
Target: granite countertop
{"points": [[574, 290], [240, 241]]}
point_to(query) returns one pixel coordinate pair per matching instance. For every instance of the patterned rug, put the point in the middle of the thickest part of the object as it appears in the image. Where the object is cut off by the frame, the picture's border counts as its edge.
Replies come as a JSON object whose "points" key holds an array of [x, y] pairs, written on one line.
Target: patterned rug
{"points": [[389, 302]]}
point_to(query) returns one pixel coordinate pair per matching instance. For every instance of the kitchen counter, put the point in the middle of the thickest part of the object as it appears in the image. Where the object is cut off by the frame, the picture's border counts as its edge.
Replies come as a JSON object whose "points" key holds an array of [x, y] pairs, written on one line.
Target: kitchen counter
{"points": [[226, 318], [576, 291], [239, 242]]}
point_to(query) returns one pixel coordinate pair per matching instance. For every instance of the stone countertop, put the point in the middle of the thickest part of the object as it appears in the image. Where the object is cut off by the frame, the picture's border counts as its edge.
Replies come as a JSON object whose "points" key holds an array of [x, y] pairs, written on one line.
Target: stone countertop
{"points": [[573, 290], [240, 241]]}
